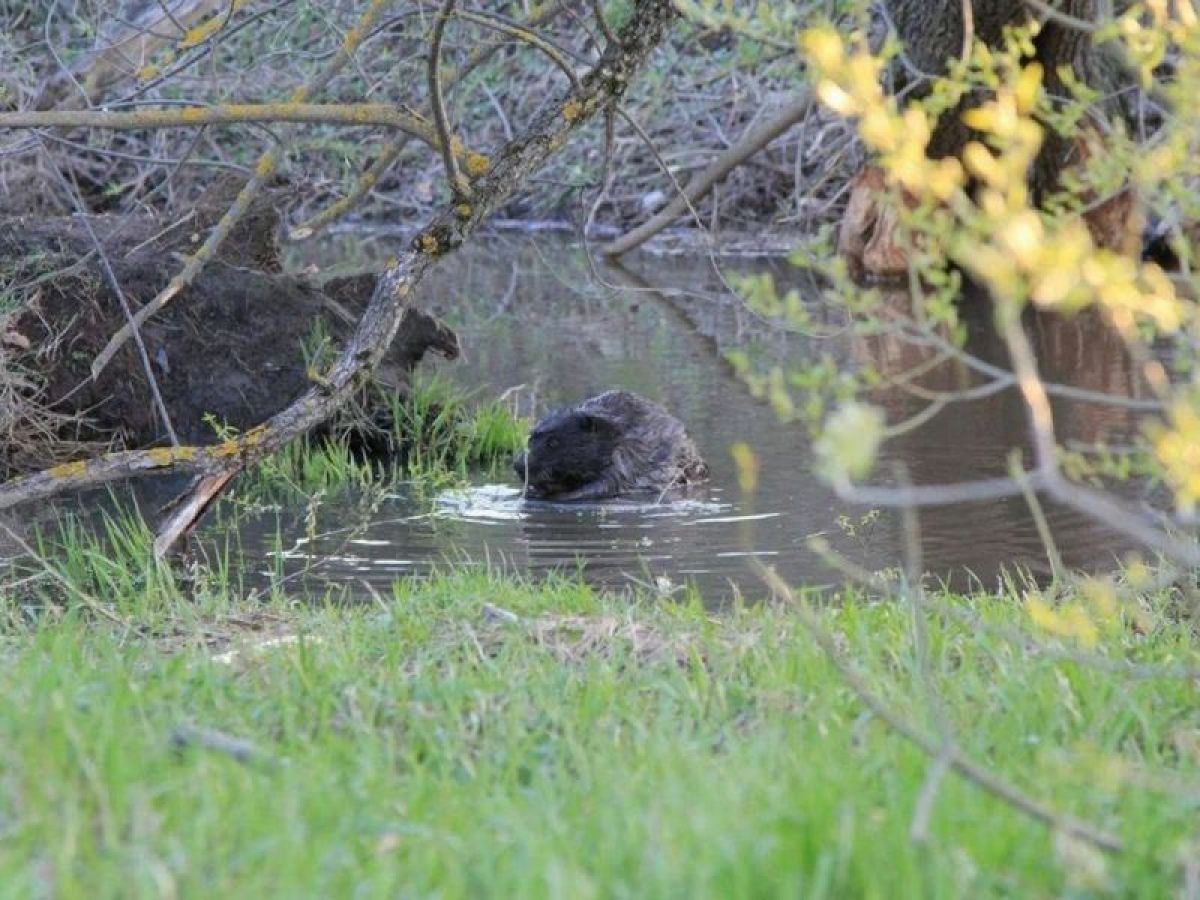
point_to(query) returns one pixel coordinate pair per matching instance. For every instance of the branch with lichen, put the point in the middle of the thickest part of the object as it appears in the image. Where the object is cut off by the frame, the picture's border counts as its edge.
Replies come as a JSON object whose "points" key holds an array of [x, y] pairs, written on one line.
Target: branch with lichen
{"points": [[459, 186], [360, 114]]}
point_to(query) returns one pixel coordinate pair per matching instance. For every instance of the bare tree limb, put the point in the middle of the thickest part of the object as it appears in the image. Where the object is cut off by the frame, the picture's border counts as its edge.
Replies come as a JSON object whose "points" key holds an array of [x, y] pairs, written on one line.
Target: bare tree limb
{"points": [[228, 114]]}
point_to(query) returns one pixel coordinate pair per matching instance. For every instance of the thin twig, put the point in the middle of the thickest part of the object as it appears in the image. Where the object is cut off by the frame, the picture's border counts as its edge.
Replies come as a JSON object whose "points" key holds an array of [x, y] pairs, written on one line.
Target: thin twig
{"points": [[556, 54], [391, 151], [1062, 18], [72, 189], [460, 188], [239, 749], [968, 14], [602, 20], [914, 590], [1057, 569], [751, 141], [918, 830]]}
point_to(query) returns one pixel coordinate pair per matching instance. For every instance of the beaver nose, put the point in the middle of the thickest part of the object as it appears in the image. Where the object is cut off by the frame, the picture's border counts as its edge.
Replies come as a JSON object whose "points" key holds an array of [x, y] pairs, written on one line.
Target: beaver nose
{"points": [[519, 465]]}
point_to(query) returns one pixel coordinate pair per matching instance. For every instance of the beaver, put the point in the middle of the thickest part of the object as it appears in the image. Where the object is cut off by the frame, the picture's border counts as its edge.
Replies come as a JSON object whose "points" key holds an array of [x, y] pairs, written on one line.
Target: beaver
{"points": [[615, 443]]}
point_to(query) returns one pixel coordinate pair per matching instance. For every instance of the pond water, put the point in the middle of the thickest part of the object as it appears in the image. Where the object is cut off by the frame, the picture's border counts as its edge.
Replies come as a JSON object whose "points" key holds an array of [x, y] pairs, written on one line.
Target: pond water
{"points": [[539, 321]]}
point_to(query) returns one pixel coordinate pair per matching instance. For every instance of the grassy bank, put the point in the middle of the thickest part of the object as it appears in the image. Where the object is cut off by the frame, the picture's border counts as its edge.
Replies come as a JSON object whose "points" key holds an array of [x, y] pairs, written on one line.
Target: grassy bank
{"points": [[474, 735]]}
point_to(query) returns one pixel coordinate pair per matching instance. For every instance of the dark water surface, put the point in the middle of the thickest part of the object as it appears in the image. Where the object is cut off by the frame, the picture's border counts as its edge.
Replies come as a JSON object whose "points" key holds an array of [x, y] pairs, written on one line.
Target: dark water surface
{"points": [[537, 320]]}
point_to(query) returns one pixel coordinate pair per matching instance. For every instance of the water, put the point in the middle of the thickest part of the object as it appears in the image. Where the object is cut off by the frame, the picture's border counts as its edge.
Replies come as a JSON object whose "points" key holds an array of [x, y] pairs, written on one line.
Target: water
{"points": [[538, 321]]}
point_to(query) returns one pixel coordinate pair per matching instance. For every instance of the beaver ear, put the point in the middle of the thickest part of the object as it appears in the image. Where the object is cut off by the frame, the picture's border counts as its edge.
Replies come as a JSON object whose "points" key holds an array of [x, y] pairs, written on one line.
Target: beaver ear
{"points": [[594, 422]]}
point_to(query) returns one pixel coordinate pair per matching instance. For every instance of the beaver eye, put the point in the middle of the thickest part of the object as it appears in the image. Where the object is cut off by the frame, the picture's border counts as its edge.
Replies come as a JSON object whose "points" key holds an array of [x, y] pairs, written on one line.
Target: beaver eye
{"points": [[552, 443]]}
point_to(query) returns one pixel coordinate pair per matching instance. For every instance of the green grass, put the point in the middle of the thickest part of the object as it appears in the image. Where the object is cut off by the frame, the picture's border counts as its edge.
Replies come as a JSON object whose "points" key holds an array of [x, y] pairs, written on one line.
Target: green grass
{"points": [[602, 745], [443, 433], [449, 431], [442, 430]]}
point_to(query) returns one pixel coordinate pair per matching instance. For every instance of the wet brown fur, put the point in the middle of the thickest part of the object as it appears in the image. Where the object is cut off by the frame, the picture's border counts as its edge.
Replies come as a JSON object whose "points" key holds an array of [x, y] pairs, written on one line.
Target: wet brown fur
{"points": [[612, 444]]}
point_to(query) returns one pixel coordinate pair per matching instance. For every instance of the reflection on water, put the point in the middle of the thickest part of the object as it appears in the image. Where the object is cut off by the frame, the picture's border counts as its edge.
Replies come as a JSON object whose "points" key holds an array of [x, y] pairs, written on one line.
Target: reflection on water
{"points": [[538, 317]]}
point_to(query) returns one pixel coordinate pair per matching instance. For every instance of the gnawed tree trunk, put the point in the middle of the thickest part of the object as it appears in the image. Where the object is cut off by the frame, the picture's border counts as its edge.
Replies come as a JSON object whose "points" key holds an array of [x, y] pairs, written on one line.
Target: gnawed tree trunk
{"points": [[936, 33]]}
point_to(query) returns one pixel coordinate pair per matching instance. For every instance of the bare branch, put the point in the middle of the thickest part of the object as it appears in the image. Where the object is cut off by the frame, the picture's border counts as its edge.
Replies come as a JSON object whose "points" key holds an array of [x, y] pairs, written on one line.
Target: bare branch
{"points": [[391, 151], [359, 114], [115, 284], [602, 20], [556, 55], [1047, 11], [459, 186]]}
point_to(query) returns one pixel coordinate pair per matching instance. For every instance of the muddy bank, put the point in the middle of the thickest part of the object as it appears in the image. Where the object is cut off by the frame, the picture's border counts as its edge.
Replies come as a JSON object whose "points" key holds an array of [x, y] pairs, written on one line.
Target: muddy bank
{"points": [[231, 350]]}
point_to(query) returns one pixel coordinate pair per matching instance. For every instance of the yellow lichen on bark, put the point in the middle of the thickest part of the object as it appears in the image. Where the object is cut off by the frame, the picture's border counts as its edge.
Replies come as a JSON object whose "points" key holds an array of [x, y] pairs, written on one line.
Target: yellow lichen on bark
{"points": [[254, 436], [165, 456], [226, 449], [68, 470], [477, 164], [206, 29]]}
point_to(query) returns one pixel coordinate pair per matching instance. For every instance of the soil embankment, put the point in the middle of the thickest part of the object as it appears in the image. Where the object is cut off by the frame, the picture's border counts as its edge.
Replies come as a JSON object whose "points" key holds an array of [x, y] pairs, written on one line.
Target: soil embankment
{"points": [[230, 350]]}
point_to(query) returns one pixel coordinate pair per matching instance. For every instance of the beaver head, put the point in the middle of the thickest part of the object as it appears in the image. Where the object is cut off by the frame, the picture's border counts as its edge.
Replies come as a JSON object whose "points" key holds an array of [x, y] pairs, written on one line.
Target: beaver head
{"points": [[567, 450]]}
